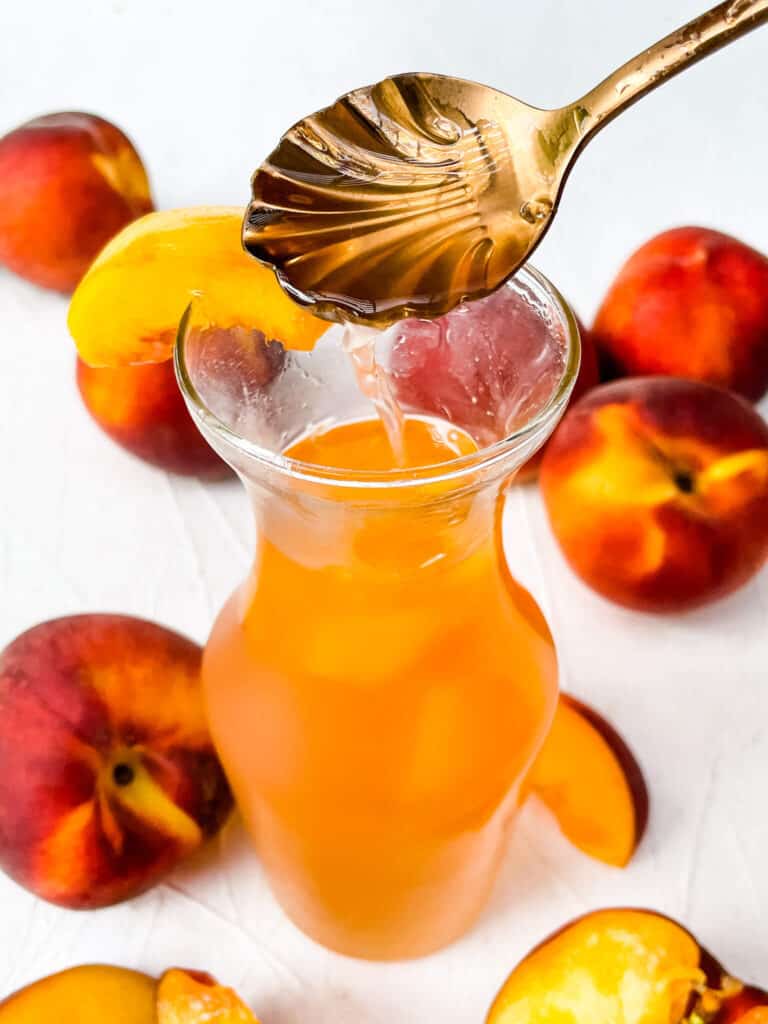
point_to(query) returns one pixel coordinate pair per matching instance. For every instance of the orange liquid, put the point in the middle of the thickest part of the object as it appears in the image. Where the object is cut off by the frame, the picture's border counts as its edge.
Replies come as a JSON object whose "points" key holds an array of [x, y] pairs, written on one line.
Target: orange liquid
{"points": [[377, 690]]}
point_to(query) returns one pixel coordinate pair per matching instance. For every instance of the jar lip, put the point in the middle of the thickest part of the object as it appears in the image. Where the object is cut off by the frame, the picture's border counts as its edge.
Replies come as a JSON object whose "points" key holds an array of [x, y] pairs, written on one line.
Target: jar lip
{"points": [[445, 472]]}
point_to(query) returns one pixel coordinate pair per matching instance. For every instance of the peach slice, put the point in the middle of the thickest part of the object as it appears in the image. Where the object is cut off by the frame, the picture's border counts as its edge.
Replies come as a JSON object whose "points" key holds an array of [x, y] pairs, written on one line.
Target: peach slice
{"points": [[127, 307], [93, 994], [194, 997], [588, 777], [633, 966]]}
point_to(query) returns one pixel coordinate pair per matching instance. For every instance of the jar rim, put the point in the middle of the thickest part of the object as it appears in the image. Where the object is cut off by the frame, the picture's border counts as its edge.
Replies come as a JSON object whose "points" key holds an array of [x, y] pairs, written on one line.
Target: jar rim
{"points": [[453, 471]]}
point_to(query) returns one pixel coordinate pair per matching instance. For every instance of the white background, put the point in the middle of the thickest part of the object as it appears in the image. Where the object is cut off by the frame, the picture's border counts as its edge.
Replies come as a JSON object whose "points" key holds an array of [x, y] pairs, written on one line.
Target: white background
{"points": [[205, 89]]}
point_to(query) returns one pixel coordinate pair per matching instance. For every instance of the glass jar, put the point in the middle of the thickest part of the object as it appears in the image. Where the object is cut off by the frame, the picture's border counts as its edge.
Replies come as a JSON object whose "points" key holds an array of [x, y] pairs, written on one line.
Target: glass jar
{"points": [[379, 685]]}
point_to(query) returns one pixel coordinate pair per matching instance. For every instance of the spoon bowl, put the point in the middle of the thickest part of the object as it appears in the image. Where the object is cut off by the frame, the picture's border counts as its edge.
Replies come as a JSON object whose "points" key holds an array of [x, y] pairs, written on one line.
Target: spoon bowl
{"points": [[409, 196]]}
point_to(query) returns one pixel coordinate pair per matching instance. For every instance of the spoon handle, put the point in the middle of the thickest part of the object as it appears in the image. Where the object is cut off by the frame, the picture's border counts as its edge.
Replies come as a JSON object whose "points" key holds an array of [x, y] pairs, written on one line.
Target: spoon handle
{"points": [[668, 57]]}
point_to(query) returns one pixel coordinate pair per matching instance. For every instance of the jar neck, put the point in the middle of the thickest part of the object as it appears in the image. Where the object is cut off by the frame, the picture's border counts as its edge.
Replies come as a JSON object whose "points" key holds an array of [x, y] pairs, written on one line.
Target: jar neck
{"points": [[405, 535]]}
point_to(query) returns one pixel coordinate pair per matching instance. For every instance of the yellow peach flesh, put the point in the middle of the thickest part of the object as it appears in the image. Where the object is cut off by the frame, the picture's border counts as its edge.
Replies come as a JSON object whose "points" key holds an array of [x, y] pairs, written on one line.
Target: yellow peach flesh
{"points": [[614, 965], [127, 308], [86, 995], [190, 997]]}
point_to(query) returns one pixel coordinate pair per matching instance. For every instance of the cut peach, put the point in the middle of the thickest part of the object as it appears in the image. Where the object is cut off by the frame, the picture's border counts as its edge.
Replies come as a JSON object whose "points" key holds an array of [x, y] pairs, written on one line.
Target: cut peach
{"points": [[193, 997], [93, 994], [628, 966], [588, 777], [127, 308]]}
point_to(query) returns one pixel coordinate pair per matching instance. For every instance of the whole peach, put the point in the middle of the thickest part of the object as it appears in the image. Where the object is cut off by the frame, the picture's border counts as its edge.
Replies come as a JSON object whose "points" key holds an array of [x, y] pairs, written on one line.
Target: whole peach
{"points": [[108, 776], [142, 409], [691, 302], [657, 491], [68, 183]]}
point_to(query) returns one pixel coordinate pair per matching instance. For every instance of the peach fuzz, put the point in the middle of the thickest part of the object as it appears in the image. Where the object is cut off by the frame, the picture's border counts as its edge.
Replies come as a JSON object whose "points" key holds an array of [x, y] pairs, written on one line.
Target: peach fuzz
{"points": [[68, 183], [624, 965], [657, 492], [142, 409], [691, 302], [108, 777]]}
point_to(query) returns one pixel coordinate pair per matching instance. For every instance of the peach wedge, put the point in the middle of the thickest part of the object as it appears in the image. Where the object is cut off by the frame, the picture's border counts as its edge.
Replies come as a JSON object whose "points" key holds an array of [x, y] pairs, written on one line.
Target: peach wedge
{"points": [[127, 308], [589, 779]]}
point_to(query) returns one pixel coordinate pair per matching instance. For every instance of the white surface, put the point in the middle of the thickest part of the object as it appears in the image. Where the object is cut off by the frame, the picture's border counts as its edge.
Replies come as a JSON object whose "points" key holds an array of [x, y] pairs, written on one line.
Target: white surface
{"points": [[205, 89]]}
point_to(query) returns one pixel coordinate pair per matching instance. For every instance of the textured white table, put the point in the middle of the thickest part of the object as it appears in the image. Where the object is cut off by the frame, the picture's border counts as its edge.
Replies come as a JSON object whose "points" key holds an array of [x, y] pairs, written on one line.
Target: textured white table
{"points": [[205, 89]]}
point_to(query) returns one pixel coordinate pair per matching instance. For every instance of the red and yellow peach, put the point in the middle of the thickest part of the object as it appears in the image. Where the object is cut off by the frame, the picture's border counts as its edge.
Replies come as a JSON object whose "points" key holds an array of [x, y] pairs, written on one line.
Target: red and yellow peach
{"points": [[108, 776], [691, 302], [68, 183], [142, 409], [657, 492]]}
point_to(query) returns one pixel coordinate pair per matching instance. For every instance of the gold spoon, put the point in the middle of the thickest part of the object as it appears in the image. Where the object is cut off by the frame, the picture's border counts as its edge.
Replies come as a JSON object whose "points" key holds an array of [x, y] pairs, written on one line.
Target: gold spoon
{"points": [[407, 197]]}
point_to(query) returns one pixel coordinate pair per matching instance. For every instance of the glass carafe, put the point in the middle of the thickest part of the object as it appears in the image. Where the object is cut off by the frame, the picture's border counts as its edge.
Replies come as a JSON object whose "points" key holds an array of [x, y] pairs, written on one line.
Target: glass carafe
{"points": [[379, 685]]}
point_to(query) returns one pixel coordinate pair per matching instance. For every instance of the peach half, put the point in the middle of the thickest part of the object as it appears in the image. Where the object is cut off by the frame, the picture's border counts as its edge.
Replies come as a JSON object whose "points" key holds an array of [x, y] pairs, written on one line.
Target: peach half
{"points": [[97, 994], [92, 994], [624, 966]]}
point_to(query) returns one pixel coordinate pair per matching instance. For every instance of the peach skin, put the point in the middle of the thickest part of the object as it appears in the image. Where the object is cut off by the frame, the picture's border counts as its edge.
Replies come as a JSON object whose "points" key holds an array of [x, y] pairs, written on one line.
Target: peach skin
{"points": [[624, 965], [689, 303], [68, 183], [107, 772], [142, 409], [657, 492], [589, 779]]}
